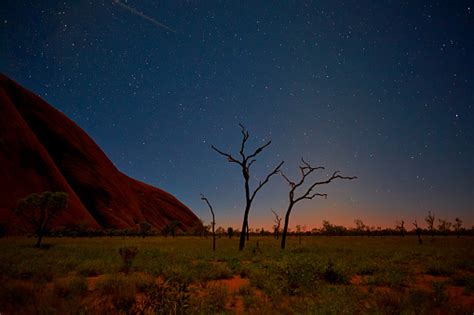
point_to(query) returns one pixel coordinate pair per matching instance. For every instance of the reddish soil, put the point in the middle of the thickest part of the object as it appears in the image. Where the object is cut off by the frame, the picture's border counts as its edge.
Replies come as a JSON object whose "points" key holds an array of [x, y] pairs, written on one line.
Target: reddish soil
{"points": [[458, 296], [232, 285], [424, 282], [41, 149]]}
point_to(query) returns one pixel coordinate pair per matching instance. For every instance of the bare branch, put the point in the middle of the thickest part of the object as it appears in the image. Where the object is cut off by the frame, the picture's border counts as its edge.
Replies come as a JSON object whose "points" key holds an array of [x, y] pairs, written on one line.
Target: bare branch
{"points": [[260, 149], [245, 136], [317, 194], [250, 163], [306, 164], [229, 157], [330, 179], [261, 184], [291, 183]]}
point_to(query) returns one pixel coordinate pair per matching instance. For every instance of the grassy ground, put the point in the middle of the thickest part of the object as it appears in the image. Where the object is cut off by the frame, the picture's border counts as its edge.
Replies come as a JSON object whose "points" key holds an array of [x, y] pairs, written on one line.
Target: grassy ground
{"points": [[328, 275]]}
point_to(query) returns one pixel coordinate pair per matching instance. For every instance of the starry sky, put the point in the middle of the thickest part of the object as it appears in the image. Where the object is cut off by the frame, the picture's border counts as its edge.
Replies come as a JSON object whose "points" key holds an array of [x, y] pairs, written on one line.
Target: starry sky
{"points": [[383, 90]]}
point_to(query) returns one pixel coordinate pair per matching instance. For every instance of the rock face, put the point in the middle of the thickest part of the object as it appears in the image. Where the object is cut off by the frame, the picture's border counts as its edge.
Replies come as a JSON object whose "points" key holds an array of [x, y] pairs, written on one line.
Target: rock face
{"points": [[43, 150]]}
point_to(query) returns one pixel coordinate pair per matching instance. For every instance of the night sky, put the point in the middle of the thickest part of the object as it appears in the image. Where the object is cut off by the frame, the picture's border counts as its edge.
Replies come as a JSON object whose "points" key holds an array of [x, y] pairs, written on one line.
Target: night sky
{"points": [[383, 90]]}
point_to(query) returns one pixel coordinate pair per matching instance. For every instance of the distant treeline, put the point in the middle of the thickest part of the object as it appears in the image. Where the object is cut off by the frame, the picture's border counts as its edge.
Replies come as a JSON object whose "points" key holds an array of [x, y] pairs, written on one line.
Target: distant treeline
{"points": [[328, 229]]}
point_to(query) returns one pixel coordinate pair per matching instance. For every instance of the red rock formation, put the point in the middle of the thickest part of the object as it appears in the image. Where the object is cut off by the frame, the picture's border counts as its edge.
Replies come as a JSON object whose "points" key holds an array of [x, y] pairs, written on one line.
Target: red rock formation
{"points": [[41, 149]]}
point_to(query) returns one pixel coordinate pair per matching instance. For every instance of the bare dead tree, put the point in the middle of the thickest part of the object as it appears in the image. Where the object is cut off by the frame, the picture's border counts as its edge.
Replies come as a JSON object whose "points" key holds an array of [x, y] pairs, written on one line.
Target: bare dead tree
{"points": [[245, 162], [457, 227], [430, 219], [277, 224], [401, 227], [418, 232], [305, 169], [213, 224]]}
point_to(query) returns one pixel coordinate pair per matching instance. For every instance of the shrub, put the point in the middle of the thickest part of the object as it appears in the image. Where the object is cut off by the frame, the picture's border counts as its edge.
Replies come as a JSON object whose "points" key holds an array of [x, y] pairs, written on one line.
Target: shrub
{"points": [[333, 275], [167, 297], [69, 287], [438, 269], [127, 254], [120, 290]]}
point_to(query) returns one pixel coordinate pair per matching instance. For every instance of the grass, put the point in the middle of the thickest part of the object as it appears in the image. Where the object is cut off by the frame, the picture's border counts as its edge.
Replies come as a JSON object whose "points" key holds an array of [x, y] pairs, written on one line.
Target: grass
{"points": [[174, 275]]}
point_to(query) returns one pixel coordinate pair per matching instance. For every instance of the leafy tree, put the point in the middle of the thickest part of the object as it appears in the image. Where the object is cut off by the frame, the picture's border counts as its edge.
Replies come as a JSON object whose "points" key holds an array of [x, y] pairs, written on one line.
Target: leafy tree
{"points": [[145, 228], [38, 210], [360, 226], [170, 228], [245, 161], [230, 232]]}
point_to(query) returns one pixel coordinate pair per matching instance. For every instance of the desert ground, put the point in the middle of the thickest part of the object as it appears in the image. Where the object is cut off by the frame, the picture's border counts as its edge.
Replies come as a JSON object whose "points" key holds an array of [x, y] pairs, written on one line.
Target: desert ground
{"points": [[182, 275]]}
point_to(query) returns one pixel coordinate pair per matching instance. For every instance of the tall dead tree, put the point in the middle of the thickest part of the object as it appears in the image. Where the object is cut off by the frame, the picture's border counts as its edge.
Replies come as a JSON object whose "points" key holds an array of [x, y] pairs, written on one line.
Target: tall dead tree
{"points": [[245, 162], [305, 169], [213, 224], [277, 225]]}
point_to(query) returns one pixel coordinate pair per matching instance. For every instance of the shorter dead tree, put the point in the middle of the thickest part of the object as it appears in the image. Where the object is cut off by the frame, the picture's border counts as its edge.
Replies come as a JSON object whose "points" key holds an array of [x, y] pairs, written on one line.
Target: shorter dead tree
{"points": [[305, 169], [400, 227], [430, 219], [458, 227], [276, 227], [418, 232], [213, 223]]}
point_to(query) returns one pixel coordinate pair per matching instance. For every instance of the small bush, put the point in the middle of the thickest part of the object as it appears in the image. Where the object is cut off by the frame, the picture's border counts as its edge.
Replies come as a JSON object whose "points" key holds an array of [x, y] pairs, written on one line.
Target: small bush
{"points": [[439, 270], [213, 301], [367, 270], [70, 287], [120, 290], [167, 297], [127, 254], [439, 296], [16, 296], [333, 275]]}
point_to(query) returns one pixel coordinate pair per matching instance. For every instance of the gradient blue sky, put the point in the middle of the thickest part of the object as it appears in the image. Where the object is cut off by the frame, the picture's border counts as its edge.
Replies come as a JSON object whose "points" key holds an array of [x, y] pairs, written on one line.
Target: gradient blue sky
{"points": [[379, 89]]}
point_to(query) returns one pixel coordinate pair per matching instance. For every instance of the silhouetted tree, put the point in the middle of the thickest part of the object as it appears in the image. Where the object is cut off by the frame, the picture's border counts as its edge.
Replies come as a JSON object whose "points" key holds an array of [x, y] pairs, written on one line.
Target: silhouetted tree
{"points": [[213, 223], [418, 232], [170, 228], [230, 232], [430, 219], [444, 226], [457, 227], [400, 227], [360, 226], [38, 210], [145, 228], [305, 170], [245, 162], [276, 227]]}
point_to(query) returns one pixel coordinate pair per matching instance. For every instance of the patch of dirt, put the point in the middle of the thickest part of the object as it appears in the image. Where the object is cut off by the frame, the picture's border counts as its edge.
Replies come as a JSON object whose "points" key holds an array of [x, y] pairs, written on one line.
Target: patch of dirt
{"points": [[232, 285], [425, 282], [92, 281], [356, 280], [458, 296]]}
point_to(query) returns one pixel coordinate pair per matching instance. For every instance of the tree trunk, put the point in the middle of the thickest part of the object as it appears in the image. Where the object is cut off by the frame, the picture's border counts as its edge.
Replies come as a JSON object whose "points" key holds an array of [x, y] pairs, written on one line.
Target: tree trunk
{"points": [[38, 242], [243, 233], [285, 227], [213, 237]]}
